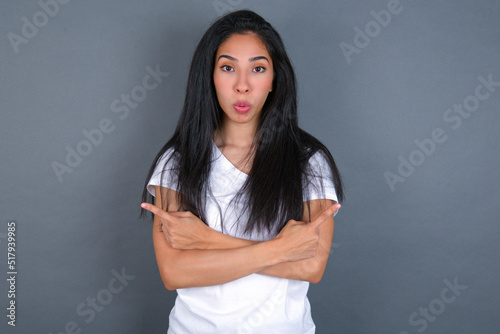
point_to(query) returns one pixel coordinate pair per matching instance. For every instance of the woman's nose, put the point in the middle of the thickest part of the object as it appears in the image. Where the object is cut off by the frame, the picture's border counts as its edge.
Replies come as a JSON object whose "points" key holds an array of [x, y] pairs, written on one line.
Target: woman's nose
{"points": [[242, 85]]}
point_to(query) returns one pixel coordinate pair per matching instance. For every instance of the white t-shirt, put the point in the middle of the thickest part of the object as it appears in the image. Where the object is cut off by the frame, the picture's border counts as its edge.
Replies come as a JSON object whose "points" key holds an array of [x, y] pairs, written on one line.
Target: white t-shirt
{"points": [[255, 303]]}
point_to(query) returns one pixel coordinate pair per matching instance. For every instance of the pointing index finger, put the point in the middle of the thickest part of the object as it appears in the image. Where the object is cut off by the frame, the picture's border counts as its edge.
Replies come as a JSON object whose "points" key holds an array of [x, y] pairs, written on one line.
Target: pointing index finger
{"points": [[153, 209], [325, 214]]}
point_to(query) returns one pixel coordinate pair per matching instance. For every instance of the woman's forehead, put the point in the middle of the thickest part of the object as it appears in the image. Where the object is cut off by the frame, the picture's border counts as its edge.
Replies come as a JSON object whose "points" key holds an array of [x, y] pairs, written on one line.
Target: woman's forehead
{"points": [[243, 44]]}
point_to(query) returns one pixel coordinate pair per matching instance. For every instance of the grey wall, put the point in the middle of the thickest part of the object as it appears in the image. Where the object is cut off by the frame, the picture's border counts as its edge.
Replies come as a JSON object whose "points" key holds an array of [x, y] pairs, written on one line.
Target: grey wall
{"points": [[415, 247]]}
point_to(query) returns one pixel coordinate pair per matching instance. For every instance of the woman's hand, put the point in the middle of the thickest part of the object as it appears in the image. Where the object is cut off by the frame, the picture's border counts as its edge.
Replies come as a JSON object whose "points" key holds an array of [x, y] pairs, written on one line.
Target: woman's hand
{"points": [[183, 230], [299, 240]]}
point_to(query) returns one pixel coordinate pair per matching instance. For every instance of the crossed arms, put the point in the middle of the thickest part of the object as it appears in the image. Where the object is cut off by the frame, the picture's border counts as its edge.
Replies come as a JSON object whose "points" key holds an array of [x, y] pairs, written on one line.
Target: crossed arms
{"points": [[191, 254]]}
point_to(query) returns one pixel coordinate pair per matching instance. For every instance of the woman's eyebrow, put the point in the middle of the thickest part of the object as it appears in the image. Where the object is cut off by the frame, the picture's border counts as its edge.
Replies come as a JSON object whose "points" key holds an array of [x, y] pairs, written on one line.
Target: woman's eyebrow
{"points": [[251, 59], [259, 58], [228, 57]]}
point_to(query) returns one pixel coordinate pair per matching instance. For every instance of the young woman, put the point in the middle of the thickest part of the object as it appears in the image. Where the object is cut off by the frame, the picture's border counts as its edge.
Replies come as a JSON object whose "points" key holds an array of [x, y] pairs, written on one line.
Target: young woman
{"points": [[244, 198]]}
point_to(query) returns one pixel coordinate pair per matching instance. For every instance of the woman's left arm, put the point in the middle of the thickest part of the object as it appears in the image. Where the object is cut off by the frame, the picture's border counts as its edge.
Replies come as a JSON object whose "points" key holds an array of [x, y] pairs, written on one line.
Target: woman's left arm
{"points": [[311, 269], [192, 233]]}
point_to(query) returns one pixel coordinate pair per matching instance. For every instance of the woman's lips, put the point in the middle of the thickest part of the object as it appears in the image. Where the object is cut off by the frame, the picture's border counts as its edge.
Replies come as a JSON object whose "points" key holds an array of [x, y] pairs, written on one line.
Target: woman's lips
{"points": [[242, 107]]}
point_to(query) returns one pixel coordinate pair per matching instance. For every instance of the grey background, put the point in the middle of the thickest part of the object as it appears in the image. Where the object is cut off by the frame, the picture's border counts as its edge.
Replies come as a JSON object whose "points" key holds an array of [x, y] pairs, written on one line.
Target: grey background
{"points": [[393, 248]]}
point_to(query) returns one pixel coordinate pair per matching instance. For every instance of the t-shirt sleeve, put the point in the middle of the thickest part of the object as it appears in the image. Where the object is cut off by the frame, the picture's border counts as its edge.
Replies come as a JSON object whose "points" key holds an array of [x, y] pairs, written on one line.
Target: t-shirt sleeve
{"points": [[319, 181], [164, 175]]}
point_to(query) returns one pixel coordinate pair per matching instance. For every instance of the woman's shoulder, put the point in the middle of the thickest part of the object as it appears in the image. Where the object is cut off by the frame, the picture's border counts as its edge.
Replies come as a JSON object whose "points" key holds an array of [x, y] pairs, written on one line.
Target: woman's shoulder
{"points": [[166, 161], [168, 153]]}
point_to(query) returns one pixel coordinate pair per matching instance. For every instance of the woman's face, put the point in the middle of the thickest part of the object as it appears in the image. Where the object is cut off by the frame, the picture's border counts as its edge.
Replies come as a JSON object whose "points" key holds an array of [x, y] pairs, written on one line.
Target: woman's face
{"points": [[243, 78]]}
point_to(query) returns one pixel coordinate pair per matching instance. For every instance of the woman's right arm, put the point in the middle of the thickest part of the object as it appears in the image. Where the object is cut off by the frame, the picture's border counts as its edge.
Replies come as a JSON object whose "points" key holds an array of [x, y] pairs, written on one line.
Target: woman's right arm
{"points": [[205, 267]]}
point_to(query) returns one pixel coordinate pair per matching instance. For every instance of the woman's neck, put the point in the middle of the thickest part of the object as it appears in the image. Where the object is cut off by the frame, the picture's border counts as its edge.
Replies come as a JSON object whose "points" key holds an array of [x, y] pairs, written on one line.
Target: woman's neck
{"points": [[236, 135]]}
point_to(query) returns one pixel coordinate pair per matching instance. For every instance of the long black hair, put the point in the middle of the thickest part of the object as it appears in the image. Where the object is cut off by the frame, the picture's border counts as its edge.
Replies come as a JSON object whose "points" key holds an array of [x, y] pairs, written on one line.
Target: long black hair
{"points": [[275, 185]]}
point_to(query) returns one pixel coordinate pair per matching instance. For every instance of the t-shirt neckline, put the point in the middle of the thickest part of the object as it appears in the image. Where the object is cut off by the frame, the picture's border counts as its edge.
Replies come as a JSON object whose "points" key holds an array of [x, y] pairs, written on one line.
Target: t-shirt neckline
{"points": [[228, 163]]}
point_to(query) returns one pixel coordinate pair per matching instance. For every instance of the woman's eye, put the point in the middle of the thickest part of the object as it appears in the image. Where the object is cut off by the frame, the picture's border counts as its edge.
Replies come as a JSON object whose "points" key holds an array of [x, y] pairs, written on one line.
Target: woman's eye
{"points": [[226, 68], [259, 69]]}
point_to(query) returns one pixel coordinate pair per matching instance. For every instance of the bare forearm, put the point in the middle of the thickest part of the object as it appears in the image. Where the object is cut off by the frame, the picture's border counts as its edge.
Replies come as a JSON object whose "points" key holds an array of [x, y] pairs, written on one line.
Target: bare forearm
{"points": [[304, 270], [309, 270], [218, 240], [191, 268]]}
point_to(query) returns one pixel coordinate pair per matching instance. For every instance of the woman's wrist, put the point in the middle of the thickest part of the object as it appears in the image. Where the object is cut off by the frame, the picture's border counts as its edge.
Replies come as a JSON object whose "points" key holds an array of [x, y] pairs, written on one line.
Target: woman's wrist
{"points": [[276, 250], [208, 239]]}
